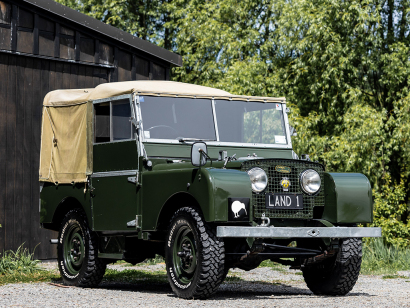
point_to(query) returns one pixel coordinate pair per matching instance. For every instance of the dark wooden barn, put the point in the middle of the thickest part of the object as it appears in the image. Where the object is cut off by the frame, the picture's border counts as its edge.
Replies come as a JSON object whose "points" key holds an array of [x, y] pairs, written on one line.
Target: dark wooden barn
{"points": [[46, 46]]}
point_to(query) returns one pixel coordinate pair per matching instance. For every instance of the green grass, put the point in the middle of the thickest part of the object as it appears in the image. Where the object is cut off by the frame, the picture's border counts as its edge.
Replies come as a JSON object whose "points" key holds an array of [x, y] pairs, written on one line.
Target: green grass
{"points": [[158, 259], [20, 266], [379, 259], [21, 261], [393, 277], [274, 266], [39, 276], [233, 279]]}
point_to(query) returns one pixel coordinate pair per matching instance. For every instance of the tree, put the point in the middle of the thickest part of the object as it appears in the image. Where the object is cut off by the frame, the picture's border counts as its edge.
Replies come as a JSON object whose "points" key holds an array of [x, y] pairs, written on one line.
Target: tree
{"points": [[343, 66], [143, 18]]}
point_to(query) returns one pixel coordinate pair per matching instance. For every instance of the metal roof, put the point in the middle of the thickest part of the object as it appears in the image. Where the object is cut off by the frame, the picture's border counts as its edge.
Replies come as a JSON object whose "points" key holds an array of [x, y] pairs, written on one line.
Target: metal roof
{"points": [[106, 30]]}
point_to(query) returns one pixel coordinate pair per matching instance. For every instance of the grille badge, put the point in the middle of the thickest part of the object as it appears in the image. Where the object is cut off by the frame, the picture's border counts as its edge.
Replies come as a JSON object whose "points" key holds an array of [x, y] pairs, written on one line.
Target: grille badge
{"points": [[285, 183], [283, 169]]}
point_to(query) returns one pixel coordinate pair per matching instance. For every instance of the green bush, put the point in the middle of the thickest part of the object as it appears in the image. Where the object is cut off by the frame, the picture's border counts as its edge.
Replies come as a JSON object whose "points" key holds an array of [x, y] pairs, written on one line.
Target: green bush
{"points": [[21, 261]]}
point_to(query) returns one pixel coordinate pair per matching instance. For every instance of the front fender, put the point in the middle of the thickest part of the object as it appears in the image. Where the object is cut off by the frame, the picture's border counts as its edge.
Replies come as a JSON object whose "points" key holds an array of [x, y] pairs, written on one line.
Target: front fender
{"points": [[210, 187], [224, 184], [348, 198]]}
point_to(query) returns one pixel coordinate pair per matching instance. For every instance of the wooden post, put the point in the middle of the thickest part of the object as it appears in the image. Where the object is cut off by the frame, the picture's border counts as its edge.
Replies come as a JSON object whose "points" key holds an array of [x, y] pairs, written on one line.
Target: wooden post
{"points": [[77, 45], [35, 35], [57, 41], [14, 16]]}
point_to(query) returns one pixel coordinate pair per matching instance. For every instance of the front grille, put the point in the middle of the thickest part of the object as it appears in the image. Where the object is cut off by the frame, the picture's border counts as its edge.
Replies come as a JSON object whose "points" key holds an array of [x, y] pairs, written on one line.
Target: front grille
{"points": [[274, 179]]}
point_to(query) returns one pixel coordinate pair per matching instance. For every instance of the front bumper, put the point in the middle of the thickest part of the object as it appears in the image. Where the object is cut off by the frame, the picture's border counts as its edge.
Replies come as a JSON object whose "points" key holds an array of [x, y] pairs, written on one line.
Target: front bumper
{"points": [[298, 232]]}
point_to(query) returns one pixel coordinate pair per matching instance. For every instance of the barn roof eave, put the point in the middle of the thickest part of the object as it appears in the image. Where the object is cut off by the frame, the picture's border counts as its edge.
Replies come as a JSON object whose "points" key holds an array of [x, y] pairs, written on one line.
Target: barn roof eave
{"points": [[107, 30]]}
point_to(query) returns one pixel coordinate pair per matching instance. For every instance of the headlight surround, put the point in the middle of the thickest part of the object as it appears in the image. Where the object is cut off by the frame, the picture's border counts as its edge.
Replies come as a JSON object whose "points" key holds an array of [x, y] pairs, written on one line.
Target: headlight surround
{"points": [[259, 179], [310, 181]]}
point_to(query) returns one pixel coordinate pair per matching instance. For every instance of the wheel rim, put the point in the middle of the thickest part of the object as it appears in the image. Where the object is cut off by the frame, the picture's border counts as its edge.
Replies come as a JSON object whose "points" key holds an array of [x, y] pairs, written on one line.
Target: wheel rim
{"points": [[185, 255], [74, 250]]}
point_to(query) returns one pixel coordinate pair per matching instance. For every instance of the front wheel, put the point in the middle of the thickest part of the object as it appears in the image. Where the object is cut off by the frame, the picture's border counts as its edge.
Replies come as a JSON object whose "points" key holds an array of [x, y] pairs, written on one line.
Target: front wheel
{"points": [[194, 255], [339, 274], [77, 252]]}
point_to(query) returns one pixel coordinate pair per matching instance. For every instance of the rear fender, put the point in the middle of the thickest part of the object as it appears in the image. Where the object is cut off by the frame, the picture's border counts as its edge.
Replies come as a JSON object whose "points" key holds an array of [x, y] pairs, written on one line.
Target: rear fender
{"points": [[57, 200]]}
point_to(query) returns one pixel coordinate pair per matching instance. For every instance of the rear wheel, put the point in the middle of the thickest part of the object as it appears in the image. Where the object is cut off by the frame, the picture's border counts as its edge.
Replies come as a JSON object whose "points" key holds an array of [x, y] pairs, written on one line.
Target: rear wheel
{"points": [[194, 255], [77, 253], [339, 274]]}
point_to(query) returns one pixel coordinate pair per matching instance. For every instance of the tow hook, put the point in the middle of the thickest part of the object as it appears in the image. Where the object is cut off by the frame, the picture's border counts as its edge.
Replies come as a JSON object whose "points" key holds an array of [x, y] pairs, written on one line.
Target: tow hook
{"points": [[265, 221]]}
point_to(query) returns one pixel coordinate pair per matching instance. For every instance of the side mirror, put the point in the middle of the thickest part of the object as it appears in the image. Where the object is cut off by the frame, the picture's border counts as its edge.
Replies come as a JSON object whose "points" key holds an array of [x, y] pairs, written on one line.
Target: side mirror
{"points": [[199, 153]]}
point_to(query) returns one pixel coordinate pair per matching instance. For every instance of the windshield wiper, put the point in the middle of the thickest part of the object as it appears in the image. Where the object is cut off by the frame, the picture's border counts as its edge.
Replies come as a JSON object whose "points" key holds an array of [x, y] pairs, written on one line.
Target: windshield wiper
{"points": [[193, 139]]}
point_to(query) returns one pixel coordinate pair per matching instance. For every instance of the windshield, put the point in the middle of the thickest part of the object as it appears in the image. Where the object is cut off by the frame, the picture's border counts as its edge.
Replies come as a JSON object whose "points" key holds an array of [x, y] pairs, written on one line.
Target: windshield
{"points": [[192, 118], [250, 122], [175, 118]]}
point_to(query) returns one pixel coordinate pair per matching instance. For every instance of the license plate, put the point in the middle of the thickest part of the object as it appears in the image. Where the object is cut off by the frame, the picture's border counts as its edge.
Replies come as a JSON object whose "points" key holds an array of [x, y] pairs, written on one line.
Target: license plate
{"points": [[284, 201]]}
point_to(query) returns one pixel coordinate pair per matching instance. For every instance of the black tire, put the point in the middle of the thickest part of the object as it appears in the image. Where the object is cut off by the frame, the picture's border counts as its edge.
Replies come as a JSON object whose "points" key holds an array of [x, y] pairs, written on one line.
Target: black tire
{"points": [[77, 252], [194, 256], [339, 274]]}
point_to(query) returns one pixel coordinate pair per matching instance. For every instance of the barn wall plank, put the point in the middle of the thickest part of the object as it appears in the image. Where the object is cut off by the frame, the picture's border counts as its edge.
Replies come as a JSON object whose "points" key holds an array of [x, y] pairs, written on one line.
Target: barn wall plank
{"points": [[11, 155], [74, 77], [4, 59], [40, 73], [89, 82], [58, 82], [19, 187], [66, 76]]}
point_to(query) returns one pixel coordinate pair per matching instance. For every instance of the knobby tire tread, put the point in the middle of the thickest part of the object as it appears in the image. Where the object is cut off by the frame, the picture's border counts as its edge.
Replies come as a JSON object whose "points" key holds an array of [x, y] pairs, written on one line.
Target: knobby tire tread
{"points": [[94, 267], [212, 272], [343, 277]]}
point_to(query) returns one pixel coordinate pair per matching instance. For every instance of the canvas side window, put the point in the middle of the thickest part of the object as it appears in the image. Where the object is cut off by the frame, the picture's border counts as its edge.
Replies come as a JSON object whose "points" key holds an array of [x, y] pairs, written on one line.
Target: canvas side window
{"points": [[112, 121], [102, 123], [121, 125]]}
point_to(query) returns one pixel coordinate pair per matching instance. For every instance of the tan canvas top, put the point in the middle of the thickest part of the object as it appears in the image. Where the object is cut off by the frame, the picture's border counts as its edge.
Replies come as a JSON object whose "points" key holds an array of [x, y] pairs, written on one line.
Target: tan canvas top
{"points": [[163, 88], [66, 133]]}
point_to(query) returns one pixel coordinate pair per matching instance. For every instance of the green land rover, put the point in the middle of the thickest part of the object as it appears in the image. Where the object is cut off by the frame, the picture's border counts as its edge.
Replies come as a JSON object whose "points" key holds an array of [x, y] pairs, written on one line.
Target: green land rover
{"points": [[202, 177]]}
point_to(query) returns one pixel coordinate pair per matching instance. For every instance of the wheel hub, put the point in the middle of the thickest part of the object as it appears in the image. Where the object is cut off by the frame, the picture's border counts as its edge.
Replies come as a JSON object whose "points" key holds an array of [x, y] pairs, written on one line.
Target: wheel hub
{"points": [[185, 254], [74, 250]]}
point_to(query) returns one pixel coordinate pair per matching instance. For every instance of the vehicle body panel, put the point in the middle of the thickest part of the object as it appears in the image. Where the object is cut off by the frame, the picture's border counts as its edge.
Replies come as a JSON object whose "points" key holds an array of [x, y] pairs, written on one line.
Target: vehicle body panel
{"points": [[348, 198], [114, 198], [53, 196], [210, 187], [184, 151]]}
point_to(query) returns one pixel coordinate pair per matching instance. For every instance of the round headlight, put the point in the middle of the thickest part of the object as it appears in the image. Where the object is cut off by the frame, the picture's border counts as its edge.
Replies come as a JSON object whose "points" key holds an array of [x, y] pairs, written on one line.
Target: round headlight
{"points": [[258, 178], [310, 181]]}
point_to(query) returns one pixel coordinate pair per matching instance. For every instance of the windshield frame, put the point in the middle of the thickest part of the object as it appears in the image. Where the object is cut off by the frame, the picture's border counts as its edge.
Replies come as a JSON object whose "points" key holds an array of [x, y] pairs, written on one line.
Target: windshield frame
{"points": [[284, 109]]}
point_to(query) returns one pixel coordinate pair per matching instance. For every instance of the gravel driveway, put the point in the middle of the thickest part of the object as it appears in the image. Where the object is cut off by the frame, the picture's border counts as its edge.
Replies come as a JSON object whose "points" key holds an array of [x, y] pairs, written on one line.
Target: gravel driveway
{"points": [[261, 287]]}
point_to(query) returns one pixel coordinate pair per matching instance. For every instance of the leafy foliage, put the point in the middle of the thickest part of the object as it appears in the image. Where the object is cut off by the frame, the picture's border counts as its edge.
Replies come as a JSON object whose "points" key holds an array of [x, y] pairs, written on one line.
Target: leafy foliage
{"points": [[143, 18], [343, 66]]}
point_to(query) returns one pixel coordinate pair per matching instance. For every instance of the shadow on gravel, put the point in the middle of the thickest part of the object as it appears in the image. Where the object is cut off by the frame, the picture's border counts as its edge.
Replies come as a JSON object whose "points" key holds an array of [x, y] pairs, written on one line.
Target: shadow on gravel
{"points": [[281, 291], [230, 291], [143, 286]]}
